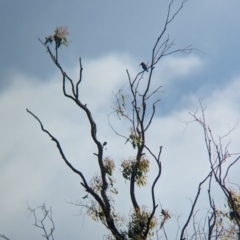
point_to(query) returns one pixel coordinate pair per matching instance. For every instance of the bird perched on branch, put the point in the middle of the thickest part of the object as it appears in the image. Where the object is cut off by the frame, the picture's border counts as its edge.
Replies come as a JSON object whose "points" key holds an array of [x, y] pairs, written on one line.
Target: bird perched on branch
{"points": [[144, 66]]}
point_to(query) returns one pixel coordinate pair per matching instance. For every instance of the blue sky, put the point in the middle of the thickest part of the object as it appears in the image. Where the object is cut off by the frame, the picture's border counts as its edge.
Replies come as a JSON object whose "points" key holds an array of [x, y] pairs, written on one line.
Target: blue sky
{"points": [[110, 37]]}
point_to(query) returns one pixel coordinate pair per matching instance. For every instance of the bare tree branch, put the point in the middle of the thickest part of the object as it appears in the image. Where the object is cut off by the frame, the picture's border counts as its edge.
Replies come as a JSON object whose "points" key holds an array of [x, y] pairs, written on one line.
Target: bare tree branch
{"points": [[2, 236], [193, 207]]}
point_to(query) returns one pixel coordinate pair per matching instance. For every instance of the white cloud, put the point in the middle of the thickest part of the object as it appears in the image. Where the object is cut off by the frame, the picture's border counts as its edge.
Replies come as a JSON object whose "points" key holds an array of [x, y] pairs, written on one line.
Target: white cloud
{"points": [[173, 69]]}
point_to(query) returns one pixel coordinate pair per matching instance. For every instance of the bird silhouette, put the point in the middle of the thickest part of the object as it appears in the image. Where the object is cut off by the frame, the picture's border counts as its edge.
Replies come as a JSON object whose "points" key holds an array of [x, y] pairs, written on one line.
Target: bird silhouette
{"points": [[144, 66]]}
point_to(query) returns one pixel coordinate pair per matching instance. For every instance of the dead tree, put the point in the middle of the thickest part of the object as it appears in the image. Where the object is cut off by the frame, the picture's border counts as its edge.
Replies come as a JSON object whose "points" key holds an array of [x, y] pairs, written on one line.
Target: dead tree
{"points": [[101, 188]]}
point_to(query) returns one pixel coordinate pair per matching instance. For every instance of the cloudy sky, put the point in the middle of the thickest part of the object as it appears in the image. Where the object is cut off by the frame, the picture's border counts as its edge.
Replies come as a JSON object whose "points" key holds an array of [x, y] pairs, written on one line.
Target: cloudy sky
{"points": [[110, 37]]}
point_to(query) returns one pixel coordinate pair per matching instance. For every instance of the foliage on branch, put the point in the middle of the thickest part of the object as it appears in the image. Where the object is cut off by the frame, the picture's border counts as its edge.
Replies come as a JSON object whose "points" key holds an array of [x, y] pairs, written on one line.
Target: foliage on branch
{"points": [[120, 104], [234, 206], [138, 224], [141, 168], [59, 37]]}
